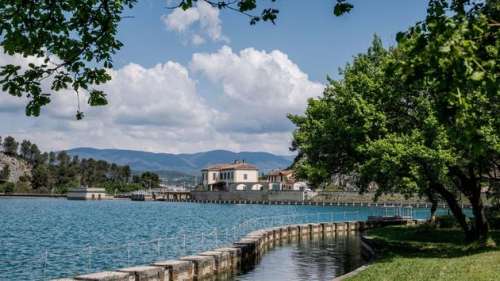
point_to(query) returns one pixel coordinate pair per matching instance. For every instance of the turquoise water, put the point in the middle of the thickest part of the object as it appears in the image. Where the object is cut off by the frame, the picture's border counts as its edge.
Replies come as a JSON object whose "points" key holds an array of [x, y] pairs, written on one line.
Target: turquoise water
{"points": [[42, 239]]}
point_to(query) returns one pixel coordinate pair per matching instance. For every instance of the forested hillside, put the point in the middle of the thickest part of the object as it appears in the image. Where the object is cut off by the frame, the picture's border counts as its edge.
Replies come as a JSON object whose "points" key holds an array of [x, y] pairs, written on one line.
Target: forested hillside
{"points": [[24, 168]]}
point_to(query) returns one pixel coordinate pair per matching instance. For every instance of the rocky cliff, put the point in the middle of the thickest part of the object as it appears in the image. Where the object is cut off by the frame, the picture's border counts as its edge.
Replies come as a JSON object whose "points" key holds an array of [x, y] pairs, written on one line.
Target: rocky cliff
{"points": [[18, 167]]}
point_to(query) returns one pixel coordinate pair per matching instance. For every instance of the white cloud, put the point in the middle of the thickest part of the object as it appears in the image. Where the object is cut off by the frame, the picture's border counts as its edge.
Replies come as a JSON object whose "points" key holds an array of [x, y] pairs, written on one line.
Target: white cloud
{"points": [[163, 95], [160, 108], [259, 88], [200, 22], [180, 20], [197, 40], [154, 109]]}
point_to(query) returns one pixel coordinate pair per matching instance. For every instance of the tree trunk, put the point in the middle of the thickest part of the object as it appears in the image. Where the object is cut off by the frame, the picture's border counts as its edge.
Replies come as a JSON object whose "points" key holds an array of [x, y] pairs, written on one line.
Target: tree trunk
{"points": [[434, 204], [481, 227], [455, 209]]}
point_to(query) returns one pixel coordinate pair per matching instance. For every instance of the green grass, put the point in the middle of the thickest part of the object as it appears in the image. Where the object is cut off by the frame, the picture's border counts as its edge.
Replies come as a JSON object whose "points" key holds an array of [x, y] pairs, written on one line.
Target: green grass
{"points": [[423, 253]]}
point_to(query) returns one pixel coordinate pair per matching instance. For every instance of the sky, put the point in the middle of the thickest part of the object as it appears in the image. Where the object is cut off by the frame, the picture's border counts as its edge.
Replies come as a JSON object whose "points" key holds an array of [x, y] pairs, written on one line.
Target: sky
{"points": [[203, 79]]}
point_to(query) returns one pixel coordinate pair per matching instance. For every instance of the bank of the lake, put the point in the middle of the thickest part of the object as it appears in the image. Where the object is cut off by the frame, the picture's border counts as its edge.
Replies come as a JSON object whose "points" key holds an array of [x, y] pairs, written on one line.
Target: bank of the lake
{"points": [[421, 253]]}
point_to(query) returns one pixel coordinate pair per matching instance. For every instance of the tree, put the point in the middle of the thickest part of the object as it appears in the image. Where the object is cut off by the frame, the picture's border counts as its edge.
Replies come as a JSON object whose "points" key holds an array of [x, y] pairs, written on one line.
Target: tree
{"points": [[25, 150], [150, 180], [125, 173], [10, 146], [40, 178], [420, 118], [52, 158], [449, 63], [35, 155]]}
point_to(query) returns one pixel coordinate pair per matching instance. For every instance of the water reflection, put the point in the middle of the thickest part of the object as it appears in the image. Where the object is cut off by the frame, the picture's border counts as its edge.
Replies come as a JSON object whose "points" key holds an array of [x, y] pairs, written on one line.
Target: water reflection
{"points": [[320, 259]]}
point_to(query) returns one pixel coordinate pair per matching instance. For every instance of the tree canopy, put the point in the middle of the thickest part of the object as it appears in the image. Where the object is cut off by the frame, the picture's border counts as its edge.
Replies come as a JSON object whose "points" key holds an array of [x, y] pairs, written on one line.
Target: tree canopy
{"points": [[422, 117]]}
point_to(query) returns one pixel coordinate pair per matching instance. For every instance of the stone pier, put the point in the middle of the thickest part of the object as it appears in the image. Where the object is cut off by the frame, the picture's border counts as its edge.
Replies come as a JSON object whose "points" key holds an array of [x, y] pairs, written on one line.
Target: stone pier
{"points": [[145, 273], [222, 260], [177, 270], [204, 266]]}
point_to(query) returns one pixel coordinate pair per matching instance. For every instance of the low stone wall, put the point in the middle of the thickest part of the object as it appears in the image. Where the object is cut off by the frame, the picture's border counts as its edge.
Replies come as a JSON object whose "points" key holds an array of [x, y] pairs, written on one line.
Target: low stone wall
{"points": [[225, 262], [213, 200], [33, 195], [248, 196]]}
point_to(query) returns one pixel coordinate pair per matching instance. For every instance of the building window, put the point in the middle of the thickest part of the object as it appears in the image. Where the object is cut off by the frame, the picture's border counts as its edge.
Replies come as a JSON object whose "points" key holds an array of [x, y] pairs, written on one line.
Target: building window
{"points": [[213, 176], [245, 177]]}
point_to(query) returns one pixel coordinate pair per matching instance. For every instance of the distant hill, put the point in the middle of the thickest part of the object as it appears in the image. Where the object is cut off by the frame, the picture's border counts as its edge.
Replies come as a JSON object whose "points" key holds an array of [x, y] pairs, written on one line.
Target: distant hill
{"points": [[185, 163]]}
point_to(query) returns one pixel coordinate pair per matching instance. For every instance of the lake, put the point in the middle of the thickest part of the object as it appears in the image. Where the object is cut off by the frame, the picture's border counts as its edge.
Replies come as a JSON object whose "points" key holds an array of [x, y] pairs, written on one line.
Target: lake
{"points": [[47, 238]]}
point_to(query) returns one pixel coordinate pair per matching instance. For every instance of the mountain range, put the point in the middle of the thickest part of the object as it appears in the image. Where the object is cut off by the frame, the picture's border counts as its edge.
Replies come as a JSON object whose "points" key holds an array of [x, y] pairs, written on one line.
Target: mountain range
{"points": [[189, 163]]}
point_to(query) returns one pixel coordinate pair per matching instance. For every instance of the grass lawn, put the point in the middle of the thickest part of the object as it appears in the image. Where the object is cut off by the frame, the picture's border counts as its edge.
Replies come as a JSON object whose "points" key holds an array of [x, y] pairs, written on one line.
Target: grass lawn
{"points": [[420, 253]]}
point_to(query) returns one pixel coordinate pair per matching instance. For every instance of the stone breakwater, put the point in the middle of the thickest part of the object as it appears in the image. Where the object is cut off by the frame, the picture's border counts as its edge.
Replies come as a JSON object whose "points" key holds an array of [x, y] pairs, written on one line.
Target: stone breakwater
{"points": [[222, 263]]}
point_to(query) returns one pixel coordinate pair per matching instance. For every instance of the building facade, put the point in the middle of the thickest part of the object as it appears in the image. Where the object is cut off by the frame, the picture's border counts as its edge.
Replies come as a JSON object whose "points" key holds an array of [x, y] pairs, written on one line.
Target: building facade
{"points": [[284, 180], [88, 193], [222, 176]]}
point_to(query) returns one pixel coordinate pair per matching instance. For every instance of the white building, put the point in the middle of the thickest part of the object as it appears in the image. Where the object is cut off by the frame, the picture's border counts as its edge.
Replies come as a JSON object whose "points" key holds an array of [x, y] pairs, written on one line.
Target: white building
{"points": [[88, 193], [284, 180], [220, 176]]}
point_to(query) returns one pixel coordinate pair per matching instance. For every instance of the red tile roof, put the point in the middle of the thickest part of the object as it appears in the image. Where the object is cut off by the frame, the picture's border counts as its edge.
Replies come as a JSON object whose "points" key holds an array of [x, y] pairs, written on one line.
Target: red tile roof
{"points": [[233, 166]]}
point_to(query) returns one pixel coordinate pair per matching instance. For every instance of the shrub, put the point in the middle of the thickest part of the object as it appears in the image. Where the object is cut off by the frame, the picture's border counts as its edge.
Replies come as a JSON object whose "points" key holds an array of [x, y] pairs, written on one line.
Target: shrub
{"points": [[426, 228], [493, 216], [7, 187], [495, 222], [446, 221]]}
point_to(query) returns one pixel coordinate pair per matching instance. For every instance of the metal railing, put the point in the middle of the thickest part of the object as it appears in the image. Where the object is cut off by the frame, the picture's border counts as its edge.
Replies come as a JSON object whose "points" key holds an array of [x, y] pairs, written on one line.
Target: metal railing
{"points": [[53, 264]]}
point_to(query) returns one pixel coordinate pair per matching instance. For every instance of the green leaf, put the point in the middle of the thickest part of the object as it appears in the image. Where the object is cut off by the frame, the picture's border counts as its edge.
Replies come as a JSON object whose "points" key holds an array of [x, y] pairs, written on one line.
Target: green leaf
{"points": [[445, 49], [342, 7], [79, 115], [477, 75], [97, 98]]}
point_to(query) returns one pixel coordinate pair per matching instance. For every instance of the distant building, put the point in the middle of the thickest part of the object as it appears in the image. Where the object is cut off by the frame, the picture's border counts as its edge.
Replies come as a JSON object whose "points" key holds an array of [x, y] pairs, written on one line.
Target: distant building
{"points": [[88, 193], [221, 176], [284, 180], [169, 187]]}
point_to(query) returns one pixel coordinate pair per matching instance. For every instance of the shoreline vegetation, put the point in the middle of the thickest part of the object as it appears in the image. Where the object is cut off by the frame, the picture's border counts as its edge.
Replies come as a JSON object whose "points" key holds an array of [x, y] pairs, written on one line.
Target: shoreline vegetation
{"points": [[26, 169], [425, 252]]}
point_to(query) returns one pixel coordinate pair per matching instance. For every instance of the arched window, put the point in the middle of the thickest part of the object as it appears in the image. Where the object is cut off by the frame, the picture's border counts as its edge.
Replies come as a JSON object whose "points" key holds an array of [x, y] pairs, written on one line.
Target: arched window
{"points": [[257, 186]]}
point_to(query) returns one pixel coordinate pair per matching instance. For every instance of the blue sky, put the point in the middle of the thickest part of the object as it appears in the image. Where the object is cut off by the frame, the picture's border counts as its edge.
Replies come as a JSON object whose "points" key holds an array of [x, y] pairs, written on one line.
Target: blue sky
{"points": [[206, 79], [312, 37]]}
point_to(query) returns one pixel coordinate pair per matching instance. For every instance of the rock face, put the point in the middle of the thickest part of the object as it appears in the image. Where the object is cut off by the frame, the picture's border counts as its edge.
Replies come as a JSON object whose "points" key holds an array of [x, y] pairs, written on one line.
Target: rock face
{"points": [[18, 167]]}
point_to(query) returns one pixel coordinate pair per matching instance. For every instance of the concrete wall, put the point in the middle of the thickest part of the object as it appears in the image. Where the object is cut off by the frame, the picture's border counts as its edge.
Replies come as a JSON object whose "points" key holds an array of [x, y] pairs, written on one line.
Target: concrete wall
{"points": [[229, 195], [223, 262], [252, 176], [247, 195], [286, 196]]}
